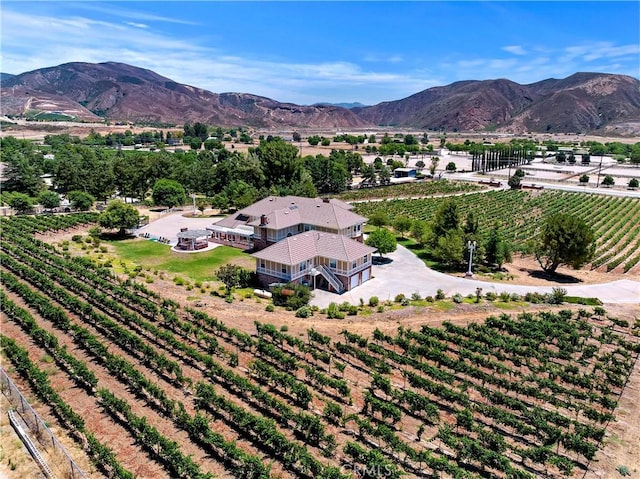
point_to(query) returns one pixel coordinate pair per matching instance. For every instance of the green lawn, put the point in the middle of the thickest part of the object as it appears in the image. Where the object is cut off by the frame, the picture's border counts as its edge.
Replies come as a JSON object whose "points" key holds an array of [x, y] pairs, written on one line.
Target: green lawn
{"points": [[197, 266]]}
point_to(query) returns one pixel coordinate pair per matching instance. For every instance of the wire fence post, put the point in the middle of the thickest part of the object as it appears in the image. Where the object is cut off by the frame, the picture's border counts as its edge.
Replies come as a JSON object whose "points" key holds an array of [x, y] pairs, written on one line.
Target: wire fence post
{"points": [[40, 428]]}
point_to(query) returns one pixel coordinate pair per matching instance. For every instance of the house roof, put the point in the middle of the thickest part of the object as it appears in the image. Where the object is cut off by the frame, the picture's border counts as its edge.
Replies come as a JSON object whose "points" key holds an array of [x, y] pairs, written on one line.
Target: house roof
{"points": [[299, 248], [285, 211], [192, 234]]}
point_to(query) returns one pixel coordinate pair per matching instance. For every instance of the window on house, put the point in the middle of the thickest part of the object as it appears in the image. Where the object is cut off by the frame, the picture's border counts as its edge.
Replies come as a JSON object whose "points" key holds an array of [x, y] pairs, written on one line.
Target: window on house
{"points": [[333, 263], [303, 266], [262, 265], [354, 265], [284, 270]]}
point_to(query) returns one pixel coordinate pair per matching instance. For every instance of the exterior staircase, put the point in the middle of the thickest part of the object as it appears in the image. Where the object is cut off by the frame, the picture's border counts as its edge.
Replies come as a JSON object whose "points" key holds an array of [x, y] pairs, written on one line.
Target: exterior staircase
{"points": [[331, 278]]}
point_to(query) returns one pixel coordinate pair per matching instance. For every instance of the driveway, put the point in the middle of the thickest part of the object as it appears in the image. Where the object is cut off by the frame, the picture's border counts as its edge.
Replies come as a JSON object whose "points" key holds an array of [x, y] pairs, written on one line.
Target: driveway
{"points": [[407, 274]]}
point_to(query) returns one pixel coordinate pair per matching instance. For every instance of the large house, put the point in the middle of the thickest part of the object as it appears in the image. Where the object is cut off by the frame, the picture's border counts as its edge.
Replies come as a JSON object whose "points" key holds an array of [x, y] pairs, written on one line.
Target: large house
{"points": [[301, 240]]}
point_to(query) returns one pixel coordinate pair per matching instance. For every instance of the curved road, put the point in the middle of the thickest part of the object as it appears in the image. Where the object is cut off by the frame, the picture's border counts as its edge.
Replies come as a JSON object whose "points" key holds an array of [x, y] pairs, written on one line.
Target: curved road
{"points": [[407, 274]]}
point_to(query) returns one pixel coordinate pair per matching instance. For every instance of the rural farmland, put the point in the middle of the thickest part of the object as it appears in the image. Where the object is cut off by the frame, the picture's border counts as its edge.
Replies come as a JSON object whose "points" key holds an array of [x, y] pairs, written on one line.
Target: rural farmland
{"points": [[195, 396]]}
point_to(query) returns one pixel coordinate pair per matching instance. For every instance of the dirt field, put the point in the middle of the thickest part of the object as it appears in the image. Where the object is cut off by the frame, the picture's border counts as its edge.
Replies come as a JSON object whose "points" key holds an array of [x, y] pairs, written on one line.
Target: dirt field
{"points": [[37, 131]]}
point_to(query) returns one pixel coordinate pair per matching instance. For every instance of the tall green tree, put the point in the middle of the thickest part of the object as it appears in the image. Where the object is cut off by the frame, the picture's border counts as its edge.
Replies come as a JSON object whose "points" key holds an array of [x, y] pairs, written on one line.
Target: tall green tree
{"points": [[564, 239], [379, 218], [280, 162], [421, 232], [402, 224], [329, 176], [447, 237], [168, 193], [497, 249], [383, 240], [81, 200], [49, 199], [446, 219], [119, 215], [20, 202], [232, 276]]}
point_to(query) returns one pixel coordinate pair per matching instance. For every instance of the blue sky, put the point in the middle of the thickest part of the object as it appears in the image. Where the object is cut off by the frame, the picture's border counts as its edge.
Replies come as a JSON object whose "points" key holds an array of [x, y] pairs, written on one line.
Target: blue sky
{"points": [[307, 52]]}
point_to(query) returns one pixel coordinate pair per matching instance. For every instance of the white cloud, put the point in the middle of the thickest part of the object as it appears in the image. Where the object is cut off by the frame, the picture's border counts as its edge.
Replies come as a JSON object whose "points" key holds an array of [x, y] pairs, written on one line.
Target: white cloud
{"points": [[515, 49], [115, 9], [137, 25], [31, 41]]}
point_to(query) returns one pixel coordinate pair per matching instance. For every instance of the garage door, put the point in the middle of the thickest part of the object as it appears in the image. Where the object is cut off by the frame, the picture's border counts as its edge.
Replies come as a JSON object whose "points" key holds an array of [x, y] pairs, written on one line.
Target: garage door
{"points": [[354, 281], [366, 275]]}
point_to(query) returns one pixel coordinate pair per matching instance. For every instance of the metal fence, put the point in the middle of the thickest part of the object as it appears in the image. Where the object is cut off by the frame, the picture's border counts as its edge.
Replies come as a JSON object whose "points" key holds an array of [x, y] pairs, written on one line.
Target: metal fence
{"points": [[38, 428]]}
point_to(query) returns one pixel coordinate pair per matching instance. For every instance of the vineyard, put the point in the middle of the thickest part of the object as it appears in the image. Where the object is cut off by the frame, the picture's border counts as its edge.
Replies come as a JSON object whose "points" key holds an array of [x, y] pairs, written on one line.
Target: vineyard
{"points": [[404, 190], [137, 375], [614, 220]]}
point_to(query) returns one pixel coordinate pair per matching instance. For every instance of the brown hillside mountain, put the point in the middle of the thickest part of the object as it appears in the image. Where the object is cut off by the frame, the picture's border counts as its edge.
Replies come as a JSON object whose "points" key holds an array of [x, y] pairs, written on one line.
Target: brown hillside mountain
{"points": [[583, 102], [116, 91], [462, 106]]}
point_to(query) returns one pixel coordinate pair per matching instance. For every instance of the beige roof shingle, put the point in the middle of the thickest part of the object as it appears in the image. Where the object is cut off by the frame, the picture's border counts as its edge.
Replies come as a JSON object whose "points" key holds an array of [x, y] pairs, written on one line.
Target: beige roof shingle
{"points": [[285, 211], [299, 248]]}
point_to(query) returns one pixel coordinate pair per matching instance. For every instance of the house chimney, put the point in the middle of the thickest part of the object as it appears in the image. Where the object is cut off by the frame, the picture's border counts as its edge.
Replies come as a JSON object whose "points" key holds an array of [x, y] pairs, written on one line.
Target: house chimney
{"points": [[263, 220]]}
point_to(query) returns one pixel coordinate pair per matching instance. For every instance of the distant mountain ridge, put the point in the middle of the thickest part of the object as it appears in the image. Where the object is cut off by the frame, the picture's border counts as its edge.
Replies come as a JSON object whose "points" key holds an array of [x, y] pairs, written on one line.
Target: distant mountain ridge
{"points": [[583, 102], [355, 104]]}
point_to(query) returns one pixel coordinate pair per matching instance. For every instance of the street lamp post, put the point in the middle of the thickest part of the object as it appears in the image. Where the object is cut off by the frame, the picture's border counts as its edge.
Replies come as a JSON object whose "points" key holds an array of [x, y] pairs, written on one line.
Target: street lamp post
{"points": [[471, 245]]}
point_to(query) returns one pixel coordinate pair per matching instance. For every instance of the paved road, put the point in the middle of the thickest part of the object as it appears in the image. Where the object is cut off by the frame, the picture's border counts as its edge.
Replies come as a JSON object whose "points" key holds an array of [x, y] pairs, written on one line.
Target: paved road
{"points": [[407, 274]]}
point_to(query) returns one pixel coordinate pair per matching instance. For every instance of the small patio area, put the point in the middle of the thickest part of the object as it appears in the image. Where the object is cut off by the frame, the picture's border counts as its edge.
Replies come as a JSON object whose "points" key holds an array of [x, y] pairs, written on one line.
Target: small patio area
{"points": [[192, 240]]}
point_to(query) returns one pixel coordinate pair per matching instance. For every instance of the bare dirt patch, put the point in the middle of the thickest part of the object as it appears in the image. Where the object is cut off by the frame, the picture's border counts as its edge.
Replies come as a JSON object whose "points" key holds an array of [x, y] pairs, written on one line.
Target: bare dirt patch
{"points": [[525, 270]]}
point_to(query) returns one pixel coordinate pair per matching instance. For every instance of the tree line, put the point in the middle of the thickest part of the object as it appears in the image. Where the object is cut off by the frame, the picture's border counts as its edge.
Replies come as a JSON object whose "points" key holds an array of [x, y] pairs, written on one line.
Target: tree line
{"points": [[230, 178]]}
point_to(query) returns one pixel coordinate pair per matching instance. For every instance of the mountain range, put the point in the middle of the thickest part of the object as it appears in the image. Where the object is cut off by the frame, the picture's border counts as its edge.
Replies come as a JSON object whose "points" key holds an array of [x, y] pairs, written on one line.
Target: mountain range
{"points": [[583, 102]]}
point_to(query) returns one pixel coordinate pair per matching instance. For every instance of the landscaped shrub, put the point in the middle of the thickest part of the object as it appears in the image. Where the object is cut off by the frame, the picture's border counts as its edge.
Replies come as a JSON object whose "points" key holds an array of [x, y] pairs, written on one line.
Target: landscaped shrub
{"points": [[457, 298], [440, 295], [333, 312], [291, 296], [344, 307], [505, 297], [373, 301], [304, 312], [557, 295], [429, 299], [399, 298], [77, 238], [415, 297], [270, 308], [535, 298]]}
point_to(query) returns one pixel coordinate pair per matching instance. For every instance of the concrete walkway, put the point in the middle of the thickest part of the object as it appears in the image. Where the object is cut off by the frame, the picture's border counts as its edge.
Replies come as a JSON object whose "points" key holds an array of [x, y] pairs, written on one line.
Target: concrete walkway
{"points": [[407, 274]]}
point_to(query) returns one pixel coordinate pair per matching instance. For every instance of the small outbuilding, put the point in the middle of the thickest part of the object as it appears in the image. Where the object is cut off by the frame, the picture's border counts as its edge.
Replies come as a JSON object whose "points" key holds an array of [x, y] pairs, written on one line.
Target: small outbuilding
{"points": [[405, 173], [192, 240]]}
